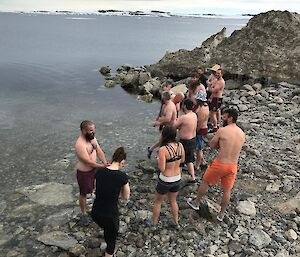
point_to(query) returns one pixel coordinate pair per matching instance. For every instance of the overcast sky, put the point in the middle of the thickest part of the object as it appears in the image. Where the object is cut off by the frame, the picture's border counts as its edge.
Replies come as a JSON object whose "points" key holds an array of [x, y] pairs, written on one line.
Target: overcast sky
{"points": [[175, 6]]}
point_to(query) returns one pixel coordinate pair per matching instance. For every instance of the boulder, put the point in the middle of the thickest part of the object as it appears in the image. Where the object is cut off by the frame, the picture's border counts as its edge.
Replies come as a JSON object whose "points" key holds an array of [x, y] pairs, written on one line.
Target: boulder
{"points": [[247, 208], [110, 83], [59, 239], [290, 206], [52, 193], [291, 235], [259, 238], [105, 70]]}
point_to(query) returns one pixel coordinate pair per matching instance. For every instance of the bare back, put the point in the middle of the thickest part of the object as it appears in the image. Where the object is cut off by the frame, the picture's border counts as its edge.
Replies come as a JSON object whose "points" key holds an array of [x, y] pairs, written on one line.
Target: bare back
{"points": [[202, 117], [170, 111], [230, 140], [187, 125], [170, 169]]}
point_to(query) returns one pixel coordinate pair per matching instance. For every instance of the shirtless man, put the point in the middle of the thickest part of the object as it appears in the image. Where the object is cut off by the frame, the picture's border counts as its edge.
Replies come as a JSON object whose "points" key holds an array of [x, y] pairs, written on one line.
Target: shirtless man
{"points": [[229, 140], [87, 151], [187, 125], [202, 119], [216, 88], [168, 117]]}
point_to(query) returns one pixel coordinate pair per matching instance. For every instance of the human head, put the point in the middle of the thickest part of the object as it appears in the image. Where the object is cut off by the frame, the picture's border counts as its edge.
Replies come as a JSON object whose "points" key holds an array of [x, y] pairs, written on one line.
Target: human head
{"points": [[218, 73], [188, 104], [168, 135], [194, 77], [229, 115], [166, 87], [200, 70], [87, 129], [119, 156], [165, 96]]}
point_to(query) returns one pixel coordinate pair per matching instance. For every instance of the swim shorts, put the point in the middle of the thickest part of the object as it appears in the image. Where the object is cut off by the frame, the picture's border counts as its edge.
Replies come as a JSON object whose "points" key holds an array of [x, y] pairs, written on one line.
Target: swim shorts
{"points": [[215, 104], [226, 172], [163, 187], [201, 133], [86, 180], [189, 146]]}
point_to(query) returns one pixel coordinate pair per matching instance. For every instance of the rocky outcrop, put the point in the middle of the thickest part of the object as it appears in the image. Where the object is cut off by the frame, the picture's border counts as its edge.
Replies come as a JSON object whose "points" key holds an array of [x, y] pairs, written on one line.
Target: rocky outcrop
{"points": [[268, 49], [180, 64]]}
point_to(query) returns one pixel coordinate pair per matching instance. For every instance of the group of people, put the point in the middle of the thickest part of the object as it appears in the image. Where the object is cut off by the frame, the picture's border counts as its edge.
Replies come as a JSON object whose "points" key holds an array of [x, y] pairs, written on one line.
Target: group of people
{"points": [[202, 102]]}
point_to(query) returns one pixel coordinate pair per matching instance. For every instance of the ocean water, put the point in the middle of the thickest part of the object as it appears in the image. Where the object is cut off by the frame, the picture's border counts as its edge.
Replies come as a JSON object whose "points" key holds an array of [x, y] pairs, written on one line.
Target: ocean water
{"points": [[49, 83]]}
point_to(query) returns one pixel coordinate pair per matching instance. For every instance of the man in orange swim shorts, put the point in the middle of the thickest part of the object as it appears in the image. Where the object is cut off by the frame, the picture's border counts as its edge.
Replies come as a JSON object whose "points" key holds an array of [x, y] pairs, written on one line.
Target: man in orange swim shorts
{"points": [[229, 140]]}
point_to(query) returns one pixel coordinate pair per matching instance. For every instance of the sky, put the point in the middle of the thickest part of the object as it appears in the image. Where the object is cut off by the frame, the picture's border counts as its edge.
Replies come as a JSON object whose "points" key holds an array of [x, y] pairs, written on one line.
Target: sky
{"points": [[175, 6]]}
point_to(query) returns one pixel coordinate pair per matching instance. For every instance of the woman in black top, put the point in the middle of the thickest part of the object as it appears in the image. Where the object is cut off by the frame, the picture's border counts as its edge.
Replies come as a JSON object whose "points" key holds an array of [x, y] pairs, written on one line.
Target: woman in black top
{"points": [[111, 184]]}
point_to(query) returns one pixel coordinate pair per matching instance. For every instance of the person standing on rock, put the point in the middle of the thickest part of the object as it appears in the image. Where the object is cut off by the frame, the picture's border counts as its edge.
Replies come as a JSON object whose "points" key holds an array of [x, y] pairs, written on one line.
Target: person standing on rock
{"points": [[170, 157], [168, 117], [217, 86], [194, 88], [187, 125], [87, 151], [229, 140], [202, 129], [111, 185], [202, 78]]}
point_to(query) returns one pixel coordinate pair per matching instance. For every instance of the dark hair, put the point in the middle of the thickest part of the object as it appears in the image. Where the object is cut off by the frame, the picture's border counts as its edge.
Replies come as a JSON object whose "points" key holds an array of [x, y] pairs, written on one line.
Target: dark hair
{"points": [[188, 103], [233, 113], [119, 155], [168, 135], [165, 96], [201, 68], [84, 124], [195, 75]]}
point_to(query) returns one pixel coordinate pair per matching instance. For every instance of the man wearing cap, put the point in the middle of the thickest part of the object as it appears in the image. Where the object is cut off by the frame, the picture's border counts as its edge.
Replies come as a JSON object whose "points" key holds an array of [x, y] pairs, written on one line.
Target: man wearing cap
{"points": [[187, 125], [202, 130], [216, 87]]}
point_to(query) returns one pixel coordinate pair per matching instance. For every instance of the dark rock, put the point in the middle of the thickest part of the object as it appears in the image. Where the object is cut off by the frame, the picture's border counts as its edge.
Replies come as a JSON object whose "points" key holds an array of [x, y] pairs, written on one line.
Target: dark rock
{"points": [[105, 70]]}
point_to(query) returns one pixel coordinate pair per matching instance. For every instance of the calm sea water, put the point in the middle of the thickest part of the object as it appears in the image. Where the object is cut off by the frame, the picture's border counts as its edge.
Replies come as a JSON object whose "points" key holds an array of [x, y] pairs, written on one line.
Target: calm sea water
{"points": [[49, 83]]}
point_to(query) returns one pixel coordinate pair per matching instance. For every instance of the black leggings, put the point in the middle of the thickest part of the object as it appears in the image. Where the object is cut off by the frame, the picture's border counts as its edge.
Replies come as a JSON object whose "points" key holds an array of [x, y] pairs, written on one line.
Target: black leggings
{"points": [[111, 228]]}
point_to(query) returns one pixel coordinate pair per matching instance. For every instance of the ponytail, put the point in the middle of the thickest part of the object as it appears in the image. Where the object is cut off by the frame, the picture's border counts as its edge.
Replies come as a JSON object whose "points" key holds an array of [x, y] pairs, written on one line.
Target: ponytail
{"points": [[119, 155]]}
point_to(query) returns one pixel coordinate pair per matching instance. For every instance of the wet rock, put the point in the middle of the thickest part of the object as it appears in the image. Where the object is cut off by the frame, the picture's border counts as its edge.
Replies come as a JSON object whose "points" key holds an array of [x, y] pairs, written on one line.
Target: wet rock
{"points": [[105, 70], [59, 239], [25, 210], [61, 217], [110, 83], [259, 238], [146, 98], [147, 166], [47, 194], [4, 238], [61, 165], [247, 208], [2, 206]]}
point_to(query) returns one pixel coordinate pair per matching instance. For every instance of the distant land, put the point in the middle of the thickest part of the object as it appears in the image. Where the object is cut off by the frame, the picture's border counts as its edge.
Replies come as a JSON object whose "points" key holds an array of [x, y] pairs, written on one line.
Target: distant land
{"points": [[153, 13]]}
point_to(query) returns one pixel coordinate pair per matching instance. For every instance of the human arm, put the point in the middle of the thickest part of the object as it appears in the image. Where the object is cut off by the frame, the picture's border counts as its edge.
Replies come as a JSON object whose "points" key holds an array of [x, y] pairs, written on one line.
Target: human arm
{"points": [[182, 154], [214, 143], [125, 192], [84, 157], [178, 122], [165, 118], [101, 155], [161, 159]]}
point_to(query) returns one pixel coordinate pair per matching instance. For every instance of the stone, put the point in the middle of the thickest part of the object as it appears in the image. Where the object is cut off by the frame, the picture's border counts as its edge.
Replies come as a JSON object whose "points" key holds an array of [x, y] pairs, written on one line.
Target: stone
{"points": [[291, 235], [212, 249], [246, 208], [47, 193], [144, 77], [77, 250], [143, 214], [257, 86], [25, 210], [259, 238], [110, 83], [274, 186], [61, 217], [247, 87], [242, 107], [59, 239], [61, 165], [291, 205], [4, 238], [147, 167], [145, 98], [105, 70]]}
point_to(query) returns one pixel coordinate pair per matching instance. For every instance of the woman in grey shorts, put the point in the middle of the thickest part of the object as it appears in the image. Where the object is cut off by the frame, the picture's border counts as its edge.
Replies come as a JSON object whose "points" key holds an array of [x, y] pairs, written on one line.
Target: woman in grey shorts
{"points": [[170, 156]]}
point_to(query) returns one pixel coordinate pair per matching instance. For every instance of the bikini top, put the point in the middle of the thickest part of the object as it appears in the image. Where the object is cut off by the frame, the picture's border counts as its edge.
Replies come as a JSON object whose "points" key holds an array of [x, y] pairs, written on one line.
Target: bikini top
{"points": [[175, 155]]}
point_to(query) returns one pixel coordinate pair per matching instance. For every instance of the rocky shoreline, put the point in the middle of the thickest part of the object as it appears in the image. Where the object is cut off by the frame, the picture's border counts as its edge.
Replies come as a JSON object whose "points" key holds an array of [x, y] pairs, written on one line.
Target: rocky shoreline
{"points": [[263, 217]]}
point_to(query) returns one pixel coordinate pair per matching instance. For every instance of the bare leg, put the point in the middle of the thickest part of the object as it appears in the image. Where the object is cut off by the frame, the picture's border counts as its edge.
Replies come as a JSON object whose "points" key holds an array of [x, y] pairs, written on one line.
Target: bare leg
{"points": [[202, 191], [156, 207], [191, 170], [174, 206], [214, 118], [225, 199], [82, 204], [198, 159], [218, 118]]}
